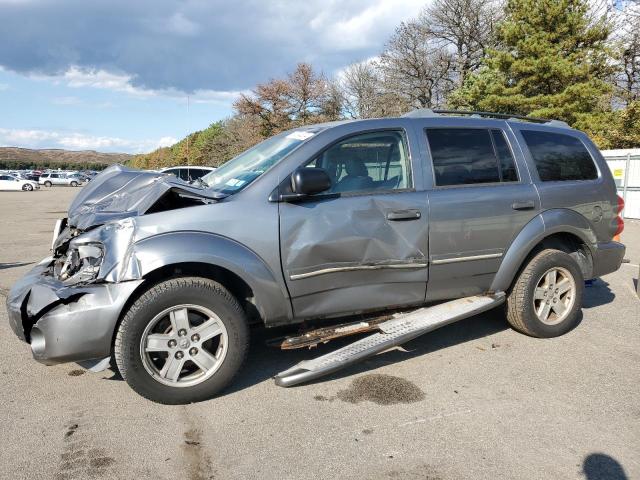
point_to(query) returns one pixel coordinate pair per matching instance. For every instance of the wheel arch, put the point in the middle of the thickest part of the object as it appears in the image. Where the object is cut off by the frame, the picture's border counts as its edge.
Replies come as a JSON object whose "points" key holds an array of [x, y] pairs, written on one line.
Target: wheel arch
{"points": [[218, 258], [562, 229]]}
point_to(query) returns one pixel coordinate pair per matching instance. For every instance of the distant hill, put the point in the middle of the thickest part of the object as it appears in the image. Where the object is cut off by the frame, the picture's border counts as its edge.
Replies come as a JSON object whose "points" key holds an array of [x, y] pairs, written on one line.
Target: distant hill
{"points": [[13, 156]]}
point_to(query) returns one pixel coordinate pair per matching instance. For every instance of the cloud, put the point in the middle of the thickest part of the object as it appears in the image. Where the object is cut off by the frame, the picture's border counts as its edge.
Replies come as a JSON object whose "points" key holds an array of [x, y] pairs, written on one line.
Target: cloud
{"points": [[76, 77], [190, 46], [4, 86], [166, 142], [77, 141]]}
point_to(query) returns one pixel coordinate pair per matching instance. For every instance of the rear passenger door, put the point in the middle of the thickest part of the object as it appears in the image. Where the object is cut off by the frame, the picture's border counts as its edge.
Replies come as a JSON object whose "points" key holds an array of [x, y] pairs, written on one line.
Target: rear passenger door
{"points": [[481, 197]]}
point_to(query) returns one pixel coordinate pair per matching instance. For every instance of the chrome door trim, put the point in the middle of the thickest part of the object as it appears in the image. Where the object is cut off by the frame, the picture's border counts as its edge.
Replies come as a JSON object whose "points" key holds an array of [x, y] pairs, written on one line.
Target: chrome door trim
{"points": [[352, 268], [486, 256]]}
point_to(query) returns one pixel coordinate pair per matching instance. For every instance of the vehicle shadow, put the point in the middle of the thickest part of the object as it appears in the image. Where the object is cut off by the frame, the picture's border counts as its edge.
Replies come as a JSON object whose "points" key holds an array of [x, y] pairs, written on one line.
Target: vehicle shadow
{"points": [[599, 466], [265, 362], [4, 266], [598, 293]]}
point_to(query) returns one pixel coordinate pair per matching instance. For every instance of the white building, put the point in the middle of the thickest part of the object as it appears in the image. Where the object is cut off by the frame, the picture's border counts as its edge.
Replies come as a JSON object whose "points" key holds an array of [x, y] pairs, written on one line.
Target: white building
{"points": [[625, 166]]}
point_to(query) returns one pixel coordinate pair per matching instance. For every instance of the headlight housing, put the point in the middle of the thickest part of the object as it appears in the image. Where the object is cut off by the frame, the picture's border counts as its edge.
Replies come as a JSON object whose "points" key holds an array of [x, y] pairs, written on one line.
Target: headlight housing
{"points": [[81, 264]]}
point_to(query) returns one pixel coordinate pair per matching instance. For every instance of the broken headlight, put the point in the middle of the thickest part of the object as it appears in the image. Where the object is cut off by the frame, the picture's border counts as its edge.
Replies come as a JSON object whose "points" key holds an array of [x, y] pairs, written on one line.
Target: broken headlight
{"points": [[81, 264]]}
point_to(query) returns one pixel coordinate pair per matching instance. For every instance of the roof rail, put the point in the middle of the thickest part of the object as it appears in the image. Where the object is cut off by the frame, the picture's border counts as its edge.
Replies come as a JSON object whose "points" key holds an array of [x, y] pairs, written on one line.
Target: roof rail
{"points": [[427, 112]]}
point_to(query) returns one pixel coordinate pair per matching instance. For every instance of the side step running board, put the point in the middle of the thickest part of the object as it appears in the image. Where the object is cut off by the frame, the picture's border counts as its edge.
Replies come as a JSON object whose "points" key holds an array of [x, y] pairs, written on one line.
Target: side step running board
{"points": [[392, 333]]}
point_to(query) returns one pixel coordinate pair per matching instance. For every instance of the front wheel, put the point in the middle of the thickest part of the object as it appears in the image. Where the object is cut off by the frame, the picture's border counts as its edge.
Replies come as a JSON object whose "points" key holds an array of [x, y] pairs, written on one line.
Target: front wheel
{"points": [[182, 341], [546, 298], [27, 187], [74, 184]]}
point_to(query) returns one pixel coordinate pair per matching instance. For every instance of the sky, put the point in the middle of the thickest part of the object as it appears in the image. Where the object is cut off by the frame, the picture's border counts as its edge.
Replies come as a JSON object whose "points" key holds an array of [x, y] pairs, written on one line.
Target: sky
{"points": [[114, 75]]}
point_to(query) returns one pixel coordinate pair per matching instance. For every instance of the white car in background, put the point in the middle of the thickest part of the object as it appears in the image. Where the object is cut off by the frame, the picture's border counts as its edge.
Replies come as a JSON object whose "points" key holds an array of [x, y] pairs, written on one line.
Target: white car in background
{"points": [[11, 182]]}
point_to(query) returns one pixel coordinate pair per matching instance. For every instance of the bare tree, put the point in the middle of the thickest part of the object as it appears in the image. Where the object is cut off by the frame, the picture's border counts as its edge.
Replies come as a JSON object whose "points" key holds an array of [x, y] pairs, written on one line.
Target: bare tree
{"points": [[361, 88], [467, 27], [269, 102], [415, 70], [333, 103], [282, 103], [307, 93], [627, 36]]}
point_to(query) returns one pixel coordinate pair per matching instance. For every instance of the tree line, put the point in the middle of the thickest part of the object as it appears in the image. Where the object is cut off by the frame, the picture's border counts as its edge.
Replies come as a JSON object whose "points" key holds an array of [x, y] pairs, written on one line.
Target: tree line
{"points": [[53, 165], [571, 60]]}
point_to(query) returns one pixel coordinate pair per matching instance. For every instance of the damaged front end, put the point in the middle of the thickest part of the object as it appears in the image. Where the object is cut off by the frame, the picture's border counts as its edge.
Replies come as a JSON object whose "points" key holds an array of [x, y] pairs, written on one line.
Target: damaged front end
{"points": [[68, 305]]}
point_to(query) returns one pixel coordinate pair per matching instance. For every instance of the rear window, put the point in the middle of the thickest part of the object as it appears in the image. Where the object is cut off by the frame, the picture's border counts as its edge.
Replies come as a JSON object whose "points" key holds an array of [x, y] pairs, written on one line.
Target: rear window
{"points": [[559, 157], [463, 156]]}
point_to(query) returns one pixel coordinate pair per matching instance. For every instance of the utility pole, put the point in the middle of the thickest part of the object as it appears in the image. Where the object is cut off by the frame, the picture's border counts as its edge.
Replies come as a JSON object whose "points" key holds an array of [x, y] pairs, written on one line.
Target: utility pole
{"points": [[188, 133]]}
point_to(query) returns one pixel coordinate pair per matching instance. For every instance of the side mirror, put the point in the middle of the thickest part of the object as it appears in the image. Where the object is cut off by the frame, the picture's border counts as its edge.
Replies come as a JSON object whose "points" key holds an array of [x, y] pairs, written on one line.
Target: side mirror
{"points": [[309, 181]]}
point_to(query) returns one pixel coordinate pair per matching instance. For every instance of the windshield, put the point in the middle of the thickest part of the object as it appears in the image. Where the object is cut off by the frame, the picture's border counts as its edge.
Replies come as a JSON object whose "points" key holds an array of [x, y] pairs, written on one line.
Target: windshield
{"points": [[239, 172]]}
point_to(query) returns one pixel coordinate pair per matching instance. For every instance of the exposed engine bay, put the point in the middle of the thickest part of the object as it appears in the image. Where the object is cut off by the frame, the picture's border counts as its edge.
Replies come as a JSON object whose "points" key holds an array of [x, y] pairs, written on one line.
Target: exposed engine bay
{"points": [[116, 194]]}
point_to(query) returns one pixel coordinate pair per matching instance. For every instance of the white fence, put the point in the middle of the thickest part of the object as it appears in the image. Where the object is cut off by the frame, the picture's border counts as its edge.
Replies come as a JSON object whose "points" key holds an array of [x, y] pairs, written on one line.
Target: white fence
{"points": [[625, 166]]}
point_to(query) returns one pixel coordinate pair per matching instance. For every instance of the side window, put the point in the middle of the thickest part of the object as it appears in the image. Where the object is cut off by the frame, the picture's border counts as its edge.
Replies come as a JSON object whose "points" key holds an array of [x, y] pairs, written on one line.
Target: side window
{"points": [[368, 162], [559, 157], [463, 156]]}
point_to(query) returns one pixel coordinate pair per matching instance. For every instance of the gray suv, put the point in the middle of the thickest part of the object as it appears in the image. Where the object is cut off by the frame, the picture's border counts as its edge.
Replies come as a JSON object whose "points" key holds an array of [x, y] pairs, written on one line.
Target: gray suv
{"points": [[320, 222]]}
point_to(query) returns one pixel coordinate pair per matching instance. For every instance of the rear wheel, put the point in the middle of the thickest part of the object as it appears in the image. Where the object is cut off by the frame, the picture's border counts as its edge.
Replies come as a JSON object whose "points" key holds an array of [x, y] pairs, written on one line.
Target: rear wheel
{"points": [[182, 341], [47, 183], [546, 298]]}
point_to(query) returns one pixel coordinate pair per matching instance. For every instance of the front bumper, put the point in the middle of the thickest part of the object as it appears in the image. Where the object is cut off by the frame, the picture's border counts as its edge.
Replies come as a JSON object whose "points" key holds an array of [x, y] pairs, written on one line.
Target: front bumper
{"points": [[65, 323], [607, 258]]}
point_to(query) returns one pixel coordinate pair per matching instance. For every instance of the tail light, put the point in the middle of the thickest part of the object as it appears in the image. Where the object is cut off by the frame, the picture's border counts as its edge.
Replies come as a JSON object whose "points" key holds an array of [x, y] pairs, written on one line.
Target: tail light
{"points": [[619, 222]]}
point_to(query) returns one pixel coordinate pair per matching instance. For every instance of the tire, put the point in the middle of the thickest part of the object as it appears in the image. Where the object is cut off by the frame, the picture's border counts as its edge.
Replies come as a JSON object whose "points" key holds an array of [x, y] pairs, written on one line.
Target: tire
{"points": [[534, 294], [146, 325], [74, 184], [27, 187], [47, 184]]}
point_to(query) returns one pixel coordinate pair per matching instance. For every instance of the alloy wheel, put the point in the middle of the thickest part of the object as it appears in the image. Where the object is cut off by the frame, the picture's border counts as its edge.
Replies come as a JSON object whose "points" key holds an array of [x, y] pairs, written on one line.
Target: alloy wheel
{"points": [[554, 295], [184, 345]]}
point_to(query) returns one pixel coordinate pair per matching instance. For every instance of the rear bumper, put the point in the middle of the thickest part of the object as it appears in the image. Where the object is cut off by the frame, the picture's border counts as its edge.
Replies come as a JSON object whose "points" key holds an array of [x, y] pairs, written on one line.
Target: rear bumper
{"points": [[65, 323], [607, 258]]}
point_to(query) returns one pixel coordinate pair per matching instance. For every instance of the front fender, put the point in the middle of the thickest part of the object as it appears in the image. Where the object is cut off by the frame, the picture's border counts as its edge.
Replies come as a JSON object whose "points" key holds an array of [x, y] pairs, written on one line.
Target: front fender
{"points": [[549, 222], [173, 248]]}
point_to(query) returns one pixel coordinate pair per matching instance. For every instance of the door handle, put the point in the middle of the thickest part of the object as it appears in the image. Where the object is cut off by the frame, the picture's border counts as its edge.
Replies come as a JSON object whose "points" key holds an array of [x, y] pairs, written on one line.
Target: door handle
{"points": [[404, 215], [529, 205]]}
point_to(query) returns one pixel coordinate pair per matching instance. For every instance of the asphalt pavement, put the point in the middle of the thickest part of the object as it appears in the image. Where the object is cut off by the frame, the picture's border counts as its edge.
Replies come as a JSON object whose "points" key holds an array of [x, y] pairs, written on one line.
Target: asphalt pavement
{"points": [[472, 400]]}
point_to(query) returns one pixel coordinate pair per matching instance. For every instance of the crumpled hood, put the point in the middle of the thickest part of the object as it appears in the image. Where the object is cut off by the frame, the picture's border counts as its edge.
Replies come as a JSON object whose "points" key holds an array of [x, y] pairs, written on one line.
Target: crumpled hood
{"points": [[119, 192]]}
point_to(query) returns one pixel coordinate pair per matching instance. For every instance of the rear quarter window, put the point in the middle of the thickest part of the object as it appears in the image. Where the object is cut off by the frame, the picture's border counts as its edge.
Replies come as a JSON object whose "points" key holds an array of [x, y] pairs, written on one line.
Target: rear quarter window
{"points": [[559, 157]]}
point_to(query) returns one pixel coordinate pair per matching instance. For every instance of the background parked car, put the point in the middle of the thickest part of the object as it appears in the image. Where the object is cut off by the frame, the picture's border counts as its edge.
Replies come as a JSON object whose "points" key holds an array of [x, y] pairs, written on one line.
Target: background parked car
{"points": [[80, 176], [51, 178], [10, 182], [188, 174]]}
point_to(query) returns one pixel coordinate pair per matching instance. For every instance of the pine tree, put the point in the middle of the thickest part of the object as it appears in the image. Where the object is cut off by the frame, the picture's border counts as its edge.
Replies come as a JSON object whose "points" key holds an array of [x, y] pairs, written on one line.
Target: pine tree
{"points": [[552, 61]]}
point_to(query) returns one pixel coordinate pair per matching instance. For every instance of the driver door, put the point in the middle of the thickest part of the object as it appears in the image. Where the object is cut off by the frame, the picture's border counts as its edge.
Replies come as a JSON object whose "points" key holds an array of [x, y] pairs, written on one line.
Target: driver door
{"points": [[363, 244]]}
